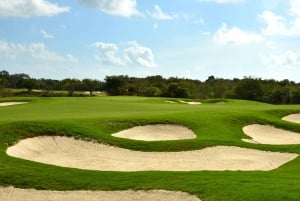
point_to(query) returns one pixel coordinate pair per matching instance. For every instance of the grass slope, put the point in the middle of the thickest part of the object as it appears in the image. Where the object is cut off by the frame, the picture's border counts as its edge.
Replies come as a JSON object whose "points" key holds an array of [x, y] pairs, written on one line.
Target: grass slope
{"points": [[98, 117]]}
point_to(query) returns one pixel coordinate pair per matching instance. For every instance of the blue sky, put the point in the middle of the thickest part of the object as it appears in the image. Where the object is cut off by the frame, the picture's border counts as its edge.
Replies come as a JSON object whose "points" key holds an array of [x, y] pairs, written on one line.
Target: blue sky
{"points": [[179, 38]]}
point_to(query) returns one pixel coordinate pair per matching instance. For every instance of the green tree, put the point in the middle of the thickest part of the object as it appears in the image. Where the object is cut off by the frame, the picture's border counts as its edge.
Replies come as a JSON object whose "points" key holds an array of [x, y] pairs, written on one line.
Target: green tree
{"points": [[70, 85], [90, 85], [29, 84], [3, 83], [116, 85], [152, 92], [249, 89], [176, 91]]}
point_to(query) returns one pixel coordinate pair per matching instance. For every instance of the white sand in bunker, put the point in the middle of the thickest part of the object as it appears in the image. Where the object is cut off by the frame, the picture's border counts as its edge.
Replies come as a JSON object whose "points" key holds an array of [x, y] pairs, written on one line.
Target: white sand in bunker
{"points": [[157, 132], [266, 134], [15, 194], [292, 118], [190, 102], [68, 152], [11, 103]]}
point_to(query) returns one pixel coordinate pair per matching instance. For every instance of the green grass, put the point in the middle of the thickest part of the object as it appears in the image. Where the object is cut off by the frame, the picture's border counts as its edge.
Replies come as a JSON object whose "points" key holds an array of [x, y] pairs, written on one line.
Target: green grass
{"points": [[98, 117]]}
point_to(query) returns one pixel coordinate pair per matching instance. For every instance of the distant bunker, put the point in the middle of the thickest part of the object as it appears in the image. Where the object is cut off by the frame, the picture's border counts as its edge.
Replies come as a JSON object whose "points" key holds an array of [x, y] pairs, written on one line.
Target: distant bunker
{"points": [[11, 103], [266, 134], [295, 118], [157, 132]]}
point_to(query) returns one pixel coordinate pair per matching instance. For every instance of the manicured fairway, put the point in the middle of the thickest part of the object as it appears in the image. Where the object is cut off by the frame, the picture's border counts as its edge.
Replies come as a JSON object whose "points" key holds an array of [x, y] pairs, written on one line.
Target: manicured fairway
{"points": [[96, 118]]}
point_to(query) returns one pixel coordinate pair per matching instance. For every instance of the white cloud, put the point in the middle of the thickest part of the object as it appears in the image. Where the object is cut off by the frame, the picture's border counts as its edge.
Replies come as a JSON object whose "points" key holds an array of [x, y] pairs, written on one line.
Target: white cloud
{"points": [[295, 12], [288, 58], [37, 51], [275, 24], [10, 50], [107, 53], [283, 25], [160, 15], [29, 8], [124, 8], [222, 1], [141, 55], [132, 53], [295, 7], [46, 35], [235, 35], [282, 65]]}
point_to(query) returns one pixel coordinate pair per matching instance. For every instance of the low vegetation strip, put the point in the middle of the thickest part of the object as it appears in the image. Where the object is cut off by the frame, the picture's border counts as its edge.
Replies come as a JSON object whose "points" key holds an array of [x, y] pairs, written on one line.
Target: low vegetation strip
{"points": [[69, 152], [16, 194]]}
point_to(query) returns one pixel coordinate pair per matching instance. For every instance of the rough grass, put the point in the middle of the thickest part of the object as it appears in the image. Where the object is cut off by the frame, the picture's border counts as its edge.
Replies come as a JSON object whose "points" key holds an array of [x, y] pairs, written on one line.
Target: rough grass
{"points": [[98, 117]]}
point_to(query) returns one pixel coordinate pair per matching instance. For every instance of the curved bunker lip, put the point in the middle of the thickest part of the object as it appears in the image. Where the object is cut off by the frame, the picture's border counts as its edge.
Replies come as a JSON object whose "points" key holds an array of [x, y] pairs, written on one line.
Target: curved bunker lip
{"points": [[266, 134], [69, 152], [11, 103], [295, 118], [157, 132], [16, 194]]}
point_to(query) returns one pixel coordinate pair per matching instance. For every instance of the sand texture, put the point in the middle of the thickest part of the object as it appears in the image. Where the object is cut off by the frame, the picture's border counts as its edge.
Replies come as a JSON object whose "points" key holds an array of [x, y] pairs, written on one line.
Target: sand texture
{"points": [[292, 118], [157, 132], [266, 134], [68, 152], [15, 194], [11, 103], [190, 102]]}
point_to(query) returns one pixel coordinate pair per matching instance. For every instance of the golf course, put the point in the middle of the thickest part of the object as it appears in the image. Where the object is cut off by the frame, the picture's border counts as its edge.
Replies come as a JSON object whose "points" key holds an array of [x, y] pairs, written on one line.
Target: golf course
{"points": [[140, 148]]}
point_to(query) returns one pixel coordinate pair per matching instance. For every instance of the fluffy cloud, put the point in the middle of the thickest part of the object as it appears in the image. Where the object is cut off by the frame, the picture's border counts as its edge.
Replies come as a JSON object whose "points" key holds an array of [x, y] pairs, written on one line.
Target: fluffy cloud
{"points": [[106, 53], [132, 53], [283, 25], [29, 8], [288, 58], [160, 15], [222, 1], [275, 24], [235, 35], [37, 51], [138, 54], [124, 8], [46, 35], [282, 65]]}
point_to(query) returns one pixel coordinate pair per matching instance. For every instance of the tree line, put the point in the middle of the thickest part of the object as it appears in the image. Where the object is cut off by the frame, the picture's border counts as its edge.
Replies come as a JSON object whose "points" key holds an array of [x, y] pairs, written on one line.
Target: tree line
{"points": [[248, 88]]}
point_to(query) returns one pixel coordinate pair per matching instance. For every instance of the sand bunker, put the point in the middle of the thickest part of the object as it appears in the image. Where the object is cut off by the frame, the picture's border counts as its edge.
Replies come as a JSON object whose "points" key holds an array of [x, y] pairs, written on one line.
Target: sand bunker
{"points": [[15, 194], [68, 152], [265, 134], [190, 102], [157, 132], [292, 118], [11, 103], [169, 101]]}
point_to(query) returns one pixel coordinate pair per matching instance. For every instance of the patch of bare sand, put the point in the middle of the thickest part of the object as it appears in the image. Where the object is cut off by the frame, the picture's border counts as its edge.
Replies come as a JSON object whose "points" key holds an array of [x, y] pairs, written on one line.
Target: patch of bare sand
{"points": [[292, 118], [169, 101], [157, 132], [11, 103], [190, 102], [266, 134], [68, 152], [16, 194]]}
